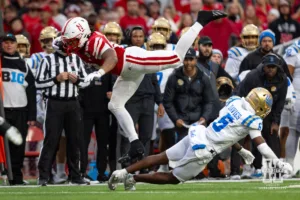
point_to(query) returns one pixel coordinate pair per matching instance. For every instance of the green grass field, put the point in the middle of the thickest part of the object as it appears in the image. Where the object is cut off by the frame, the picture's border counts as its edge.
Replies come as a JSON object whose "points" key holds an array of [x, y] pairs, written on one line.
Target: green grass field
{"points": [[210, 190]]}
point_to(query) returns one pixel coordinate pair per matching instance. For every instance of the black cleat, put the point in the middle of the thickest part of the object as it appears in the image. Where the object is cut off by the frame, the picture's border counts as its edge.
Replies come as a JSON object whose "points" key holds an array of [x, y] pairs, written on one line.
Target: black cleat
{"points": [[42, 182], [204, 17], [136, 153]]}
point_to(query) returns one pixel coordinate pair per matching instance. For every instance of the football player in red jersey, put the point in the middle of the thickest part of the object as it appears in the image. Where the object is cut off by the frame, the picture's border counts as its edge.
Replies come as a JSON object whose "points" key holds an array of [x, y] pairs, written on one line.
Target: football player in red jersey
{"points": [[131, 64]]}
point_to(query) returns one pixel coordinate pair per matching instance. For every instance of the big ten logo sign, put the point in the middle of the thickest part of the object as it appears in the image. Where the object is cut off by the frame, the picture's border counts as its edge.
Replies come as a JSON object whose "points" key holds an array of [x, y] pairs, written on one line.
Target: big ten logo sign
{"points": [[271, 173], [13, 77]]}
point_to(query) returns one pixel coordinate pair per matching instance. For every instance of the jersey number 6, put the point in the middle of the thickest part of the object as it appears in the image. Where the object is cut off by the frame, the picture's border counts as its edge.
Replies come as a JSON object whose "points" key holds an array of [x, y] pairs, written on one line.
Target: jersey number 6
{"points": [[222, 123]]}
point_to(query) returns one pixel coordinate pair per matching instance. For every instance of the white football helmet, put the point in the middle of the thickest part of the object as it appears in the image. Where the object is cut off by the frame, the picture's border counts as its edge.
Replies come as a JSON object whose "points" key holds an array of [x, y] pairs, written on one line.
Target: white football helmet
{"points": [[75, 33]]}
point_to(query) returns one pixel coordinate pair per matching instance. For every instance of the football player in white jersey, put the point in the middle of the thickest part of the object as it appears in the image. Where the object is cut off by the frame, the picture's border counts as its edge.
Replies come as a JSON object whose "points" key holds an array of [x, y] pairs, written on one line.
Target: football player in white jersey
{"points": [[47, 35], [239, 117], [249, 37], [157, 41], [163, 26], [290, 123]]}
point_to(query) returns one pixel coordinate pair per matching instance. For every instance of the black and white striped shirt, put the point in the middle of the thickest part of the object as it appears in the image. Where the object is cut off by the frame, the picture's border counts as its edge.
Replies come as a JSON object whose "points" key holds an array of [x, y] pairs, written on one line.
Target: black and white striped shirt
{"points": [[54, 64]]}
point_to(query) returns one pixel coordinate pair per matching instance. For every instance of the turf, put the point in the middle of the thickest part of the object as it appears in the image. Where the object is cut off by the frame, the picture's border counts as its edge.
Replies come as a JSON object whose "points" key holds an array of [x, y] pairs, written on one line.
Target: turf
{"points": [[193, 190]]}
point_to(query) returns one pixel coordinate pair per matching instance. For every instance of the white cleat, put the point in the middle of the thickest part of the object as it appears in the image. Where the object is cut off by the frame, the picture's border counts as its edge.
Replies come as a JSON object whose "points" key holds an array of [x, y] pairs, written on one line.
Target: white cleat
{"points": [[235, 177], [116, 177], [14, 135], [129, 183], [247, 172]]}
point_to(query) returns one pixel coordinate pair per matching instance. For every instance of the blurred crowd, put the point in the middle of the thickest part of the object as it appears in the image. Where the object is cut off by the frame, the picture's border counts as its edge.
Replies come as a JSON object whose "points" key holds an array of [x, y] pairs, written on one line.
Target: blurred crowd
{"points": [[230, 56]]}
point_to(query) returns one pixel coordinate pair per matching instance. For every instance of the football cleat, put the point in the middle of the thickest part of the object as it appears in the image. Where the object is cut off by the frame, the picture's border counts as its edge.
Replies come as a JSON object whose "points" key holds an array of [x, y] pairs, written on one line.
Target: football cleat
{"points": [[116, 177], [129, 183], [135, 153]]}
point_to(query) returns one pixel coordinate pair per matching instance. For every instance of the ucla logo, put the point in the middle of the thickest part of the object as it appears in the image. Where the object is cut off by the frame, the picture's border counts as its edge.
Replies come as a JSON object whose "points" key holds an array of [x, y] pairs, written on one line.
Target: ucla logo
{"points": [[269, 101], [13, 77]]}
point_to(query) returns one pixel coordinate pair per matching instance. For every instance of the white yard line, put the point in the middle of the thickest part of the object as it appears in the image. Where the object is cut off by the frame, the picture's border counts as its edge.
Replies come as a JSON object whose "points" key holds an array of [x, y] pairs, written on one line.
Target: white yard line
{"points": [[144, 192], [205, 182]]}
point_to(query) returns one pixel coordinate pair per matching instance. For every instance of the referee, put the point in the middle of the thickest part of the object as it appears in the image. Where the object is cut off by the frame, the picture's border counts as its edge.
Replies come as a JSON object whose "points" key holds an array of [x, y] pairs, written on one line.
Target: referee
{"points": [[59, 76]]}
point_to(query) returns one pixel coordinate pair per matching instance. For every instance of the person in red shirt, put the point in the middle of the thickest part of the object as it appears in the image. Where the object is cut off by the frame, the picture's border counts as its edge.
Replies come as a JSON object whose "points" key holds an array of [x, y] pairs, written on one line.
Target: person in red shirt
{"points": [[262, 8], [182, 6], [212, 5], [236, 14], [33, 16], [35, 30], [220, 38], [132, 18]]}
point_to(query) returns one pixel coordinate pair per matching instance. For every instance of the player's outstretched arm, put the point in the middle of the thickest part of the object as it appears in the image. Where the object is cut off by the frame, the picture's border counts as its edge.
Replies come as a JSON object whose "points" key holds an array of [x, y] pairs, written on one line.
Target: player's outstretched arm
{"points": [[246, 155], [267, 152], [110, 60]]}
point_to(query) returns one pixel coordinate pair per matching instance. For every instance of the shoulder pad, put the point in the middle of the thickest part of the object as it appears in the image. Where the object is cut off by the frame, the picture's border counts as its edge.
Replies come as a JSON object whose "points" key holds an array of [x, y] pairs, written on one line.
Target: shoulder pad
{"points": [[232, 99], [252, 121], [292, 51], [234, 52]]}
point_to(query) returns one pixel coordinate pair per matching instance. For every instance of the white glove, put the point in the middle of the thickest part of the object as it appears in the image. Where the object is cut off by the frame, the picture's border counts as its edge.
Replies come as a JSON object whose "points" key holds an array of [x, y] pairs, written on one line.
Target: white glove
{"points": [[116, 177], [286, 167], [93, 75], [14, 136], [247, 156]]}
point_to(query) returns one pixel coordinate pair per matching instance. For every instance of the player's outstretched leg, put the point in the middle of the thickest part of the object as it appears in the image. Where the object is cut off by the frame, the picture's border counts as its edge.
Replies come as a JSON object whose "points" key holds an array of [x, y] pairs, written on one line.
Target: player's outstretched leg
{"points": [[123, 89], [154, 61], [187, 40], [120, 175]]}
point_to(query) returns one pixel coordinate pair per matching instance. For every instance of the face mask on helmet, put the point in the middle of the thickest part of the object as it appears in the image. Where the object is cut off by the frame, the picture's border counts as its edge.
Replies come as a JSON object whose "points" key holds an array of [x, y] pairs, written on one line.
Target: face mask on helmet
{"points": [[224, 87], [47, 35], [156, 41], [163, 27], [58, 45], [261, 101], [23, 46], [249, 36], [71, 45], [22, 49], [113, 32]]}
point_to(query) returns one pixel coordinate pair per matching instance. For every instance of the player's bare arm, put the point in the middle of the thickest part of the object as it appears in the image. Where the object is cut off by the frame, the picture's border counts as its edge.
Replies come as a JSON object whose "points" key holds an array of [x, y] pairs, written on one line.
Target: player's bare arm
{"points": [[110, 60]]}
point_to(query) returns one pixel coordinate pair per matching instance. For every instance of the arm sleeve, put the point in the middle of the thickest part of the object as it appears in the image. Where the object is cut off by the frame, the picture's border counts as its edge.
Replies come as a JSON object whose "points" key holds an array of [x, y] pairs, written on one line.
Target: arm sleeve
{"points": [[43, 77], [168, 99], [31, 95], [254, 133], [266, 151], [209, 99], [158, 96]]}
